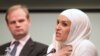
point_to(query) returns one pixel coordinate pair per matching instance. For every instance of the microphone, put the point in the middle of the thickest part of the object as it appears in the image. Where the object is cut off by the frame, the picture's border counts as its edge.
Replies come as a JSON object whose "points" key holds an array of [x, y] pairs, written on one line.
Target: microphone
{"points": [[52, 51]]}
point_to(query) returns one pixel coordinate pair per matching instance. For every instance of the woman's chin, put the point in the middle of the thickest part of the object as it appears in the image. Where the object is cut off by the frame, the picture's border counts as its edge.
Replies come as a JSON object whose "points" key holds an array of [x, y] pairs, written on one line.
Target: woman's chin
{"points": [[58, 39]]}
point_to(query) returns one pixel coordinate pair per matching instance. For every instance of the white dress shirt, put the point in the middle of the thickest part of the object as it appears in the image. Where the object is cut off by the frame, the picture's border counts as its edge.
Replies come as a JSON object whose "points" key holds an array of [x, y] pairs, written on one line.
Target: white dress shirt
{"points": [[21, 45]]}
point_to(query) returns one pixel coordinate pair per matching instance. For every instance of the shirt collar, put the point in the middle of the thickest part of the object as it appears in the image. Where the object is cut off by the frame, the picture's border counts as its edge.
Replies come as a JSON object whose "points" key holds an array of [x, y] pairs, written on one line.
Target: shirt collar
{"points": [[23, 40]]}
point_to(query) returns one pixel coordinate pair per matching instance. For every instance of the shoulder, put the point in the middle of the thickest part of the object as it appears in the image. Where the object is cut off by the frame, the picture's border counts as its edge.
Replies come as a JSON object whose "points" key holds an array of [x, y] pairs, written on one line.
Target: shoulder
{"points": [[87, 44], [38, 44], [87, 48], [39, 49], [5, 45]]}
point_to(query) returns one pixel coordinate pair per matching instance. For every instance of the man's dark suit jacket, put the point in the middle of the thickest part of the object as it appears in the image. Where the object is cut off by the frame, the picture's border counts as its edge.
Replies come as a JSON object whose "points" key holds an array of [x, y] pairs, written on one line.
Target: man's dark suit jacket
{"points": [[31, 48]]}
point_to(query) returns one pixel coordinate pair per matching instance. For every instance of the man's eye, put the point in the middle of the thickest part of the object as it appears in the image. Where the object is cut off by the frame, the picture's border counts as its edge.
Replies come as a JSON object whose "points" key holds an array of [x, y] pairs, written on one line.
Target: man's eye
{"points": [[21, 20], [13, 22]]}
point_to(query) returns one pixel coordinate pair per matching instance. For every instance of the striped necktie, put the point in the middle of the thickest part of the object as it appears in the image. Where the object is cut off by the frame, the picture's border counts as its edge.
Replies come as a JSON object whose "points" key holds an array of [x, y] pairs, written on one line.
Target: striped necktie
{"points": [[13, 52]]}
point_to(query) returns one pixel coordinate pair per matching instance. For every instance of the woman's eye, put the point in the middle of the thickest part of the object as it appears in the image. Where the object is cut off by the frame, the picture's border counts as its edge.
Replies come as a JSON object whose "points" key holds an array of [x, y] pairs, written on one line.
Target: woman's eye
{"points": [[57, 22], [64, 24]]}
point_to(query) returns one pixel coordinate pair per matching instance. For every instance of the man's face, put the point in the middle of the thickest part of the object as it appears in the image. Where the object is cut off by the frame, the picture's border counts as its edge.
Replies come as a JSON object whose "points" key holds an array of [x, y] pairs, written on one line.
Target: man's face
{"points": [[18, 23]]}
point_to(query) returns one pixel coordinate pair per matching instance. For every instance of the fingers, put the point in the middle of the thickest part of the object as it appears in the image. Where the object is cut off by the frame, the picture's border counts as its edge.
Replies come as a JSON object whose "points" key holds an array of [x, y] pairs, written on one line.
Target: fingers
{"points": [[68, 53], [64, 51], [67, 50]]}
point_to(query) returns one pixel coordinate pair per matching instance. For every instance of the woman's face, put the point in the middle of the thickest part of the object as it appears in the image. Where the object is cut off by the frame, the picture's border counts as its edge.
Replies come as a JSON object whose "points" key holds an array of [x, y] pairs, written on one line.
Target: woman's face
{"points": [[62, 28]]}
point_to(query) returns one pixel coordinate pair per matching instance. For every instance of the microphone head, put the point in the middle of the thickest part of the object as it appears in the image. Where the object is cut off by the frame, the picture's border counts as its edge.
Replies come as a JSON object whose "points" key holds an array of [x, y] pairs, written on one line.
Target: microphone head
{"points": [[53, 51]]}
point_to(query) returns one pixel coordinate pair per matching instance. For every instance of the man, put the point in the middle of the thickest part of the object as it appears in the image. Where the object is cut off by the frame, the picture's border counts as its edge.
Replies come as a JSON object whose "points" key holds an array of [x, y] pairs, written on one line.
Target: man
{"points": [[18, 22]]}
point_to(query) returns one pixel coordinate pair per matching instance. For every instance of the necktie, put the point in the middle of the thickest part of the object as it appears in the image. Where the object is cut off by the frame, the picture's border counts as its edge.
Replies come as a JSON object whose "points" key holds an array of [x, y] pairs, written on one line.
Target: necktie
{"points": [[13, 52]]}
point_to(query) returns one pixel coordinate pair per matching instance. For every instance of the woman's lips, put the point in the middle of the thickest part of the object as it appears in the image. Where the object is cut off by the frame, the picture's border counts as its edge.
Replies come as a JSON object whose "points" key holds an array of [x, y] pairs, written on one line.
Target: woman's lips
{"points": [[58, 34]]}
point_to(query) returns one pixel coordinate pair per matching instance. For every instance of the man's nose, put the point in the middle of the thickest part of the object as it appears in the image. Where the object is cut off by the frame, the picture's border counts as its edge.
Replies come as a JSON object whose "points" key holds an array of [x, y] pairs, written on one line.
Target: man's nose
{"points": [[17, 24]]}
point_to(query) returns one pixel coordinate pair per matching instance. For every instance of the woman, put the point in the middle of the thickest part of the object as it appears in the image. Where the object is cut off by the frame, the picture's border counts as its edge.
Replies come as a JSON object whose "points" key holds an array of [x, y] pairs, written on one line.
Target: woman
{"points": [[73, 28]]}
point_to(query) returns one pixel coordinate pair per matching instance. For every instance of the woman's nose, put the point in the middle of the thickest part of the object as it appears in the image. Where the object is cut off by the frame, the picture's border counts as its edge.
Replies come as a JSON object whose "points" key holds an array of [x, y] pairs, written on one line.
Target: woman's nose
{"points": [[58, 27]]}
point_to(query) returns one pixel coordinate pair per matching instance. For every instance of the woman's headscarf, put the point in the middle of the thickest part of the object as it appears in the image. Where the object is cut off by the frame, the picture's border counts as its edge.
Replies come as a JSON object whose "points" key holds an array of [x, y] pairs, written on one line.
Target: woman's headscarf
{"points": [[80, 28], [80, 25]]}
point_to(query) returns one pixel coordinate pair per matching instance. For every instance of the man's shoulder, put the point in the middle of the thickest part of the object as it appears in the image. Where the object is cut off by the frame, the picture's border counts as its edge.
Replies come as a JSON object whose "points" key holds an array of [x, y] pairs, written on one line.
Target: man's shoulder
{"points": [[39, 49], [4, 45], [38, 44], [35, 43]]}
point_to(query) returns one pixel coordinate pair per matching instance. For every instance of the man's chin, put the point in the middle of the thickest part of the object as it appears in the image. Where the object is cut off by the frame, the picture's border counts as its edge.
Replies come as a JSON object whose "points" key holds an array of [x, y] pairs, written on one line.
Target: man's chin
{"points": [[19, 34]]}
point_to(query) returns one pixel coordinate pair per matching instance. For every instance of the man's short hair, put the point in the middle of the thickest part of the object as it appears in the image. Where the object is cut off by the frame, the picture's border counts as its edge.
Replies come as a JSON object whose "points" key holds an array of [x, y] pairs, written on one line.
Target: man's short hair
{"points": [[17, 6]]}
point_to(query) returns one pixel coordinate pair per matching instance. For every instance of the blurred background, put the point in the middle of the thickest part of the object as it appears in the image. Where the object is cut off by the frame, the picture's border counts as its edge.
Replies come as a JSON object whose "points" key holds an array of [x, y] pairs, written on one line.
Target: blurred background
{"points": [[43, 14]]}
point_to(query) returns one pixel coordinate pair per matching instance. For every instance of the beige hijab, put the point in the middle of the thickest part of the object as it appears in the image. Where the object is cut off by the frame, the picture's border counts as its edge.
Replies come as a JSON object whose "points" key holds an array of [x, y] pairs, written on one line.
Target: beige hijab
{"points": [[80, 31]]}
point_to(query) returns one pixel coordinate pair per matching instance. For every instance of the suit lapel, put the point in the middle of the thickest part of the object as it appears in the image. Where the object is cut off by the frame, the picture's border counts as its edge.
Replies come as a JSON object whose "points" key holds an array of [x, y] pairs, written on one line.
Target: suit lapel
{"points": [[27, 48], [3, 48]]}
